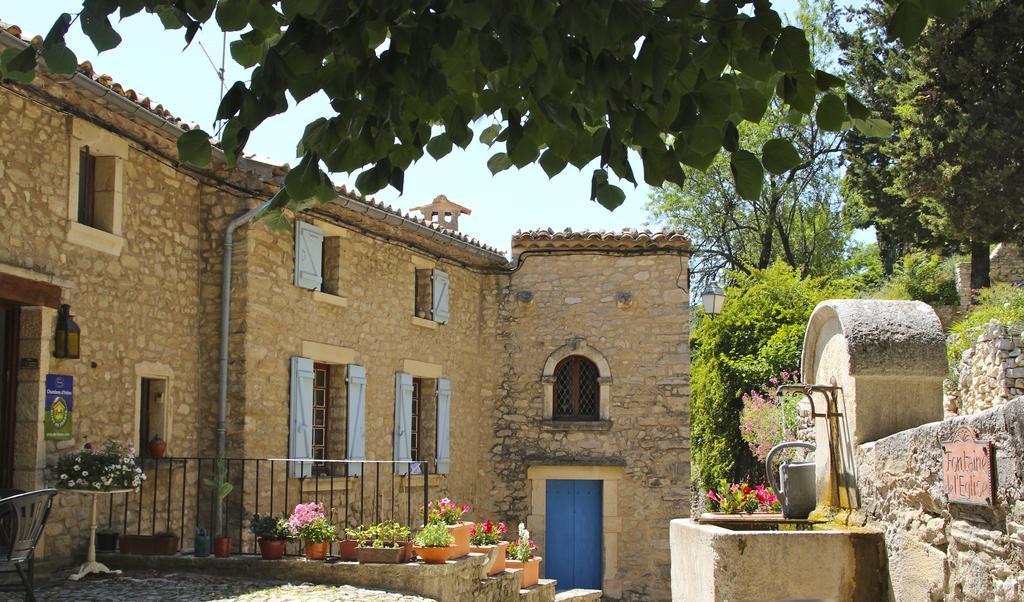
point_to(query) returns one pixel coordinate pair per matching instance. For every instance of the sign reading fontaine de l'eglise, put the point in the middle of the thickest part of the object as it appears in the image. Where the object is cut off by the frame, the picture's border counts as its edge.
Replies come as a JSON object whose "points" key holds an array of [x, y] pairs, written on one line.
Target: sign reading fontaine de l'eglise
{"points": [[968, 472]]}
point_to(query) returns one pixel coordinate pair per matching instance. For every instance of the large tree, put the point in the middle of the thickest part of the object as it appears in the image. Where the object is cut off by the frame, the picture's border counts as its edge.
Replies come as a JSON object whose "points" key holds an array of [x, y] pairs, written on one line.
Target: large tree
{"points": [[797, 218], [563, 81]]}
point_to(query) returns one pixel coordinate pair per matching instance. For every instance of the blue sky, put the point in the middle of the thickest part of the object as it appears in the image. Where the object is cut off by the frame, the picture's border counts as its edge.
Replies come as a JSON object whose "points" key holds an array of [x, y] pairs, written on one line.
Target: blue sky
{"points": [[152, 61]]}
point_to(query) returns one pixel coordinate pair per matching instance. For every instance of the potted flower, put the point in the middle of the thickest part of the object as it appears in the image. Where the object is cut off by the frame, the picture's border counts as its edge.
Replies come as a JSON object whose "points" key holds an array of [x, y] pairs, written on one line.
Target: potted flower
{"points": [[353, 538], [113, 467], [520, 555], [387, 542], [484, 538], [220, 488], [448, 513], [741, 498], [311, 525], [272, 535], [434, 544]]}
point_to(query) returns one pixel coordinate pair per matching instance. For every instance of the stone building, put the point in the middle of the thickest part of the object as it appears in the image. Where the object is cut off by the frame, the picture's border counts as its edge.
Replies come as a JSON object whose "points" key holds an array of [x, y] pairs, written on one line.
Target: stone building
{"points": [[551, 389]]}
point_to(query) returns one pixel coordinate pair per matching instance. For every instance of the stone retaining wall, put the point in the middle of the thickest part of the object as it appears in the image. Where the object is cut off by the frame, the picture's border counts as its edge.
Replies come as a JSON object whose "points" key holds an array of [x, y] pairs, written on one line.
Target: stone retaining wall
{"points": [[991, 372], [938, 550]]}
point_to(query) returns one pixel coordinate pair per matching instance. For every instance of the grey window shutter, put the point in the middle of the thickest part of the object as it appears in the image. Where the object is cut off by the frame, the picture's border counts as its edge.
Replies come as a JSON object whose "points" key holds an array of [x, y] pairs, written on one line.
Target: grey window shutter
{"points": [[439, 281], [356, 418], [403, 421], [444, 408], [300, 435], [309, 256]]}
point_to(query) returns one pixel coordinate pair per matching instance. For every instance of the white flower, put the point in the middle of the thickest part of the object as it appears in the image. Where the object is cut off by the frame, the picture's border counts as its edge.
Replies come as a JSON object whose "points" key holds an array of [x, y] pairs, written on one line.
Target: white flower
{"points": [[96, 485], [77, 467], [63, 477], [85, 473]]}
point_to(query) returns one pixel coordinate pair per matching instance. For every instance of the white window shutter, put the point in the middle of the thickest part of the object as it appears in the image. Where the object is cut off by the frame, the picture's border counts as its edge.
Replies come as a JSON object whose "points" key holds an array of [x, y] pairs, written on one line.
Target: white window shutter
{"points": [[309, 256], [444, 409], [439, 282], [356, 415], [403, 421], [300, 435]]}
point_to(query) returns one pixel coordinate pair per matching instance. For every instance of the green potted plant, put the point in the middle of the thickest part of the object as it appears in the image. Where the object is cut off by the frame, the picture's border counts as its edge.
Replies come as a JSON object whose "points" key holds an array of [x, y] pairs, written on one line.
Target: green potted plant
{"points": [[448, 513], [202, 543], [484, 538], [220, 488], [310, 524], [272, 535], [387, 543], [106, 540], [520, 555], [353, 537], [434, 544]]}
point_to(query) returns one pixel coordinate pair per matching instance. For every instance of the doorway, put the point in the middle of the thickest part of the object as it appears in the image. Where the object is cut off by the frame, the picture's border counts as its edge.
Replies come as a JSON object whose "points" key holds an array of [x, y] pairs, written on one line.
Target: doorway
{"points": [[9, 333], [573, 528]]}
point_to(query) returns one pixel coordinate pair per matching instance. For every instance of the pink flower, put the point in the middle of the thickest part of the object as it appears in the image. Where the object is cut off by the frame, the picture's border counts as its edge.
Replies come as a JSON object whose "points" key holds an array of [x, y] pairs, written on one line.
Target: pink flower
{"points": [[784, 375], [773, 380]]}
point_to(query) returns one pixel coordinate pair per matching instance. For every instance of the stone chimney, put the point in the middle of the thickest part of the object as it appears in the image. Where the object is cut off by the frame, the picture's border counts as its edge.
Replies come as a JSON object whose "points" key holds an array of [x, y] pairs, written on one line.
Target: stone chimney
{"points": [[443, 212]]}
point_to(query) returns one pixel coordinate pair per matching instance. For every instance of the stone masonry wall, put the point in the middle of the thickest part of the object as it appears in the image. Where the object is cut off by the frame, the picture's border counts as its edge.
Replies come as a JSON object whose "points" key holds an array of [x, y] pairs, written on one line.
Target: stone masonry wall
{"points": [[938, 550], [633, 311], [991, 372], [1007, 263]]}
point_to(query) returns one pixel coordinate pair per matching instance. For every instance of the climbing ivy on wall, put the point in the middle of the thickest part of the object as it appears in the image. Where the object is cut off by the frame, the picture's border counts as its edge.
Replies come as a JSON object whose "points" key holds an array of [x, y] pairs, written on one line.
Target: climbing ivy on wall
{"points": [[758, 334]]}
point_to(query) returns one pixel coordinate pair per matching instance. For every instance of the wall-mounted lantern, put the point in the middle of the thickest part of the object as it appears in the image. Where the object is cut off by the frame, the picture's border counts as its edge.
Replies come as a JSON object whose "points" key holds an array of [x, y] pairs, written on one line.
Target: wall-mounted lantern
{"points": [[713, 298], [67, 336]]}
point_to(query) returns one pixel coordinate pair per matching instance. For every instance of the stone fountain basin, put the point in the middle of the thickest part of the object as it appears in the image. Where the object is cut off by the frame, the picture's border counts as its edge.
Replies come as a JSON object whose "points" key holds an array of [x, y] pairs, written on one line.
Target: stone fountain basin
{"points": [[713, 563]]}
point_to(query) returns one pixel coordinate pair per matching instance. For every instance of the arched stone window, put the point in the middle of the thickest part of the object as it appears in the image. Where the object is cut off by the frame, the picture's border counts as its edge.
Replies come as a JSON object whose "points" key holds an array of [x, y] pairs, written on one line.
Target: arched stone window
{"points": [[577, 396], [577, 383]]}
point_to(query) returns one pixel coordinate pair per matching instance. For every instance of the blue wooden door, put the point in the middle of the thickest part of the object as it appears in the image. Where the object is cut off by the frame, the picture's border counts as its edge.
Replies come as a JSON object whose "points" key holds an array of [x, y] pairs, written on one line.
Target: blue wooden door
{"points": [[574, 548]]}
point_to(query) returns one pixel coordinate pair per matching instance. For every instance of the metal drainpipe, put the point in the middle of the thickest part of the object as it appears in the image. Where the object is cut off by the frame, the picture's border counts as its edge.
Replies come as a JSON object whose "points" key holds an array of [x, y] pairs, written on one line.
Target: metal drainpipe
{"points": [[225, 318]]}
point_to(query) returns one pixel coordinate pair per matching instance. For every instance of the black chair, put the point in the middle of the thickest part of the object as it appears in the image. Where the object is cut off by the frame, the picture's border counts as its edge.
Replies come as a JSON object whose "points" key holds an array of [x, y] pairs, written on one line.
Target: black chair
{"points": [[22, 519]]}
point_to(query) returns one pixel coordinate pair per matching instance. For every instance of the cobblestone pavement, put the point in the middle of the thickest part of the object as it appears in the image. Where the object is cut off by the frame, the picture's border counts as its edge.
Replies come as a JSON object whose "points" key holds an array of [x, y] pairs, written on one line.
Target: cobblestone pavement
{"points": [[150, 586]]}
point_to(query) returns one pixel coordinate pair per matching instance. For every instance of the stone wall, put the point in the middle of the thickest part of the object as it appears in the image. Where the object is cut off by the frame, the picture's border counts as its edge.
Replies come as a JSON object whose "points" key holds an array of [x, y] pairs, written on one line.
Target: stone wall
{"points": [[1007, 263], [991, 372], [630, 312], [938, 550]]}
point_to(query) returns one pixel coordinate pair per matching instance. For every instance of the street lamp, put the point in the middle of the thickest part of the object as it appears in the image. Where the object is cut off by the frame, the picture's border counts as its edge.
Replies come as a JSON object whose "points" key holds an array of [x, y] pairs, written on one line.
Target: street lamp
{"points": [[67, 335], [713, 298]]}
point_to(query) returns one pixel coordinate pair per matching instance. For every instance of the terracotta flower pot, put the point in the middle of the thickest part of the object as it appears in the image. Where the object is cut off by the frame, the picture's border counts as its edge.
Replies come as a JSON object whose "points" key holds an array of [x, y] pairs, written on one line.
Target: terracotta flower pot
{"points": [[222, 547], [347, 549], [460, 533], [530, 573], [316, 550], [438, 555], [497, 565], [272, 549], [157, 447]]}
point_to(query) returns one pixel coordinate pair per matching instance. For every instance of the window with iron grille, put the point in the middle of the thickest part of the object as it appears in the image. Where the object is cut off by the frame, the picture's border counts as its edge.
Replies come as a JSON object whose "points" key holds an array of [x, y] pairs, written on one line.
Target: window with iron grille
{"points": [[321, 410], [577, 395], [414, 426]]}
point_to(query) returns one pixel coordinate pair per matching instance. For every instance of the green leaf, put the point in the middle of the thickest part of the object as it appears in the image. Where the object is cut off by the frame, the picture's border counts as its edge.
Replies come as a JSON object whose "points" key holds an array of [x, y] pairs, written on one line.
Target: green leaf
{"points": [[499, 162], [225, 490], [98, 28], [490, 133], [748, 174], [831, 113], [855, 108], [439, 146], [249, 49], [907, 22], [610, 196], [779, 156], [947, 9], [551, 163], [60, 59], [754, 104], [23, 60], [232, 140], [875, 128], [827, 81], [304, 179], [730, 137], [232, 14], [194, 147], [792, 51], [276, 220], [798, 91], [704, 139]]}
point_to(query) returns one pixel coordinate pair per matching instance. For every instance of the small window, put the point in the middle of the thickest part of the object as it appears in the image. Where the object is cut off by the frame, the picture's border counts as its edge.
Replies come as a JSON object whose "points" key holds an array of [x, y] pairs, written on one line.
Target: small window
{"points": [[577, 395], [432, 295], [423, 295], [152, 412], [321, 411], [96, 178], [332, 265], [86, 187], [423, 426]]}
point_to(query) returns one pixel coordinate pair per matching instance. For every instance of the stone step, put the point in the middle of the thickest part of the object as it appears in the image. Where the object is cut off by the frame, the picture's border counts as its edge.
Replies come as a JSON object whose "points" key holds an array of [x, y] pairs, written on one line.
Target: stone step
{"points": [[544, 591], [576, 595]]}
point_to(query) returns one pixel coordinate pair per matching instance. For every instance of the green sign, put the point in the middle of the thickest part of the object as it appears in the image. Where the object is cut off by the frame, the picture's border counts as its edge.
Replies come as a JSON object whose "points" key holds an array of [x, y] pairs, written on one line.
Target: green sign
{"points": [[58, 407]]}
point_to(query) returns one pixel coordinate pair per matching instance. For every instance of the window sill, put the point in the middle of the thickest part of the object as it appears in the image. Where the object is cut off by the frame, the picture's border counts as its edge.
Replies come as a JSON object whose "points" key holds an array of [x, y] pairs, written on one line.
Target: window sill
{"points": [[94, 239], [324, 484], [424, 323], [575, 425], [330, 299], [416, 482]]}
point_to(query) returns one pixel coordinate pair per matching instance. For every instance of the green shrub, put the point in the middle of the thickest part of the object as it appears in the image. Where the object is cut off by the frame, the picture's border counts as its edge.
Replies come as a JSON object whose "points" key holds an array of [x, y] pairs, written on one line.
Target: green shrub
{"points": [[923, 277], [758, 334], [1003, 303], [434, 535]]}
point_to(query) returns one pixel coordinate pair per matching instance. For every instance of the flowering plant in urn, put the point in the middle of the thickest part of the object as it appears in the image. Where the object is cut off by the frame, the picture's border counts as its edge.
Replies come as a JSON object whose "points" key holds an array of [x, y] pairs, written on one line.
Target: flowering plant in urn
{"points": [[448, 513], [740, 498], [487, 533], [112, 467], [520, 555]]}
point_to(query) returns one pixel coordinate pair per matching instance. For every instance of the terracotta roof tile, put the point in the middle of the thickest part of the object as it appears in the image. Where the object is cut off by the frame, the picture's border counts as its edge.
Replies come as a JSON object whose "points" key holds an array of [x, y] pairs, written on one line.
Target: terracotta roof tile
{"points": [[626, 238]]}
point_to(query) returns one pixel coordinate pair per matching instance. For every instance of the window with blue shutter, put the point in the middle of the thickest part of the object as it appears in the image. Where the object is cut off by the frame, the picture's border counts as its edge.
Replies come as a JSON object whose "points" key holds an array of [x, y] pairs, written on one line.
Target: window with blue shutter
{"points": [[439, 286], [356, 439], [444, 404], [309, 252], [403, 420], [300, 432]]}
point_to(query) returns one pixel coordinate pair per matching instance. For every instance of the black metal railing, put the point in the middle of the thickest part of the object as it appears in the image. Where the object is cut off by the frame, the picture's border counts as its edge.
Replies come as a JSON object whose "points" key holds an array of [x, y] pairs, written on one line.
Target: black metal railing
{"points": [[174, 498]]}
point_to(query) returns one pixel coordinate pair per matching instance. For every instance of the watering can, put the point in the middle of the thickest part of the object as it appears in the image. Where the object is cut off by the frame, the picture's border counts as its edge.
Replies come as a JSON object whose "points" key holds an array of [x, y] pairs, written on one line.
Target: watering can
{"points": [[794, 485]]}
